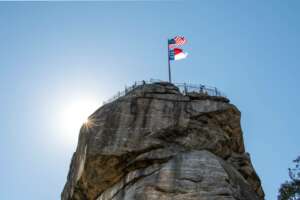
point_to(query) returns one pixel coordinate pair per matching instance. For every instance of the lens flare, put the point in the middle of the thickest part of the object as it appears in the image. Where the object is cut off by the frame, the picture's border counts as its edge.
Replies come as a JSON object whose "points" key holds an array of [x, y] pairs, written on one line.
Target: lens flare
{"points": [[75, 114]]}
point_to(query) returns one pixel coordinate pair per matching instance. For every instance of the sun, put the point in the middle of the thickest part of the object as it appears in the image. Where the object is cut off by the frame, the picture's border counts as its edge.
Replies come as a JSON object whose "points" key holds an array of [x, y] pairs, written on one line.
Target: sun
{"points": [[75, 114]]}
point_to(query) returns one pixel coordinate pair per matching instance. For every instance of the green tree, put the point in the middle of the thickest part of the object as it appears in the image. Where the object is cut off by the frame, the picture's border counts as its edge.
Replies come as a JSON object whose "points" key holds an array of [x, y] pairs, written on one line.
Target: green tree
{"points": [[290, 190]]}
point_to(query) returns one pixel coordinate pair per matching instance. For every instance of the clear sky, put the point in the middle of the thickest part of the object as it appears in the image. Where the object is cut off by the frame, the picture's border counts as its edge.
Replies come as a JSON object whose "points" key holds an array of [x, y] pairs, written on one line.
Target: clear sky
{"points": [[60, 60]]}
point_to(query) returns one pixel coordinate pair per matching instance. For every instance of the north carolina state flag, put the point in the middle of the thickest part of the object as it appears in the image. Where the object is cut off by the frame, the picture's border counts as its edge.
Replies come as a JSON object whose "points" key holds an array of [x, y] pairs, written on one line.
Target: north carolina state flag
{"points": [[177, 54]]}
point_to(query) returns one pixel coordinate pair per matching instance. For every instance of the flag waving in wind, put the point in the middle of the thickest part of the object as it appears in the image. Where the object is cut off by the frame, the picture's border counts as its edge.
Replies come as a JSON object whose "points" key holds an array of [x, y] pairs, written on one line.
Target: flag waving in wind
{"points": [[176, 41], [177, 54]]}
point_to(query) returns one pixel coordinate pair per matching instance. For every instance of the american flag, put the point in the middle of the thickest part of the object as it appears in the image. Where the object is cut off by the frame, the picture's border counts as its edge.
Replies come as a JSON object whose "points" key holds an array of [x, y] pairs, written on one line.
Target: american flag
{"points": [[180, 40], [177, 41]]}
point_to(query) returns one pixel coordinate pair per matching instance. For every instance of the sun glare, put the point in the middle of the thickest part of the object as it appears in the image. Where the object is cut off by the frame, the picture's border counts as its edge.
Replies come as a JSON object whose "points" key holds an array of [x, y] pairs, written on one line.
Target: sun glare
{"points": [[75, 114]]}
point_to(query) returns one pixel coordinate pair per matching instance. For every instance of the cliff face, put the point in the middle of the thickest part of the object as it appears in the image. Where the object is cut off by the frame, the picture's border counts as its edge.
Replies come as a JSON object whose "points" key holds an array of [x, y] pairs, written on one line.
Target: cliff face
{"points": [[155, 143]]}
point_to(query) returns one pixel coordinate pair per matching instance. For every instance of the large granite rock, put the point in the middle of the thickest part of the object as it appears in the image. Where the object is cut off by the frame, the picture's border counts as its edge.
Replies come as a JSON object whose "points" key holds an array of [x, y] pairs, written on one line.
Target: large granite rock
{"points": [[157, 144]]}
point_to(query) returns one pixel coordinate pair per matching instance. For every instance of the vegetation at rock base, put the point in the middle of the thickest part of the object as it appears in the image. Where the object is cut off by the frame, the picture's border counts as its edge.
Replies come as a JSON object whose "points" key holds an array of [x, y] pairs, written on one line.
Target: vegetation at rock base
{"points": [[290, 190]]}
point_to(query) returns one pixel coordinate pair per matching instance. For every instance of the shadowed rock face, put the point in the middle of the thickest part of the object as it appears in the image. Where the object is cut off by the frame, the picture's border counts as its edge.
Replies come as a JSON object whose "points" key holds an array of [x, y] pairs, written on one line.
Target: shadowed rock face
{"points": [[157, 144]]}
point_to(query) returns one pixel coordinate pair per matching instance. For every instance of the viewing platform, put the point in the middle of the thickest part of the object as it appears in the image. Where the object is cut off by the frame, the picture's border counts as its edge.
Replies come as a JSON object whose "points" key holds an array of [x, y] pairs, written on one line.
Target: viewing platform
{"points": [[193, 91]]}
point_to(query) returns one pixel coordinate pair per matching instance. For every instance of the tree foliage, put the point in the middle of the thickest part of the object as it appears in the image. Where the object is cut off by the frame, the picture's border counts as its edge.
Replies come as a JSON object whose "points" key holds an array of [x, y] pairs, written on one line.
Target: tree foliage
{"points": [[290, 190]]}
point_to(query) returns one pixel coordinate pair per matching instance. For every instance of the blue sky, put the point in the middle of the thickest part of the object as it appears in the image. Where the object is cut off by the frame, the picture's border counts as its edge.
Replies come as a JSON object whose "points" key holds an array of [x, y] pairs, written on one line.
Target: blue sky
{"points": [[55, 54]]}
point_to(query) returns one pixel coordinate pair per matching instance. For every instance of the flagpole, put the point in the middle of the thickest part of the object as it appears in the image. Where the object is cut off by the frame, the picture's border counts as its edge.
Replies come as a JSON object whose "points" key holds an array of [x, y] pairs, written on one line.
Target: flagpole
{"points": [[169, 67]]}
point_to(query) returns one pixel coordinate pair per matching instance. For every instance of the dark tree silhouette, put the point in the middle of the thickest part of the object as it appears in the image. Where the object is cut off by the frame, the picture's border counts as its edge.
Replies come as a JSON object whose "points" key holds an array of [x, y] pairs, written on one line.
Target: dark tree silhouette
{"points": [[290, 190]]}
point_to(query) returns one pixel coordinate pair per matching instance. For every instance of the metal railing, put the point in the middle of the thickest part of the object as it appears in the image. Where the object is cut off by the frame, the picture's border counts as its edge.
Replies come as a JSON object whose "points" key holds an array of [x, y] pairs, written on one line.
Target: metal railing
{"points": [[184, 88]]}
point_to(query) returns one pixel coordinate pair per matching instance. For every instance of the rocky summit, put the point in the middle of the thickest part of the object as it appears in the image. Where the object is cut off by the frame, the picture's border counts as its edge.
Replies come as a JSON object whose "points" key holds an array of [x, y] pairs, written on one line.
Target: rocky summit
{"points": [[156, 143]]}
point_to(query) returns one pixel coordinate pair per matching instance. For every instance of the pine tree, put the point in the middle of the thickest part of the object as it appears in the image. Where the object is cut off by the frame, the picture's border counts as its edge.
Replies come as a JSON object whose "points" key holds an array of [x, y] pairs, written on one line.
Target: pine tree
{"points": [[290, 190]]}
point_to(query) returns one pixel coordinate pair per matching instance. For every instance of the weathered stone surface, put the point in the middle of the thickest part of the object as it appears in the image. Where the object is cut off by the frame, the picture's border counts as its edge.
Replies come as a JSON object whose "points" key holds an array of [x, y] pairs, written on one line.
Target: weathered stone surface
{"points": [[155, 143]]}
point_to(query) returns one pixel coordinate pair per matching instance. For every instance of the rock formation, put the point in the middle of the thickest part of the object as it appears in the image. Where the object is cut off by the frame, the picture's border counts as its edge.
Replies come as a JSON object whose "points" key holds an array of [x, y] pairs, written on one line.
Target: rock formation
{"points": [[155, 143]]}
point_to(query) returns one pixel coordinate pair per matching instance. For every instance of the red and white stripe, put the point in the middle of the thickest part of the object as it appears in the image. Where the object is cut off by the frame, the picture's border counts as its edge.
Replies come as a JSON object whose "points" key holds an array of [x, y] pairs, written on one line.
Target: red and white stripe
{"points": [[180, 40], [179, 54]]}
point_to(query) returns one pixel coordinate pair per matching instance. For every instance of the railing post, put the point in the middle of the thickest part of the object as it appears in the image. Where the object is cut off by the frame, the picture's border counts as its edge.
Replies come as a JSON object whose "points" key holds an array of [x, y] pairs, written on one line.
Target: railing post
{"points": [[201, 88], [185, 89]]}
